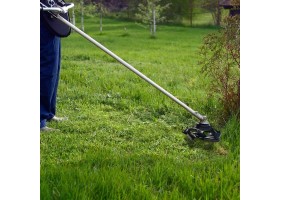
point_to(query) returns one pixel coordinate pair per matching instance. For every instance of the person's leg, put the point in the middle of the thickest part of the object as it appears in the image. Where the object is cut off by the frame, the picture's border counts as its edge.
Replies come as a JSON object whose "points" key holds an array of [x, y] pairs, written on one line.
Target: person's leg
{"points": [[49, 69], [56, 83]]}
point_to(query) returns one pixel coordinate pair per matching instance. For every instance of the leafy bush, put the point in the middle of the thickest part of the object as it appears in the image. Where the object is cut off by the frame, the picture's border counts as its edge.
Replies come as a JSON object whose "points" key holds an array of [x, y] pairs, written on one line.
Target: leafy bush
{"points": [[220, 61]]}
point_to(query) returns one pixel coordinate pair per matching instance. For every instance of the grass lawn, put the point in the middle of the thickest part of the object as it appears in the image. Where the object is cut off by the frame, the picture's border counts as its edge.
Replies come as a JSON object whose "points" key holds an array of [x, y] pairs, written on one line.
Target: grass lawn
{"points": [[123, 138]]}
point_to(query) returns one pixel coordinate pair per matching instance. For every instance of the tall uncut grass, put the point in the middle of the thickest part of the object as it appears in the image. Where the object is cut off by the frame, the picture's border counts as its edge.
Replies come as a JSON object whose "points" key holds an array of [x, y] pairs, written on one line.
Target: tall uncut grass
{"points": [[123, 138]]}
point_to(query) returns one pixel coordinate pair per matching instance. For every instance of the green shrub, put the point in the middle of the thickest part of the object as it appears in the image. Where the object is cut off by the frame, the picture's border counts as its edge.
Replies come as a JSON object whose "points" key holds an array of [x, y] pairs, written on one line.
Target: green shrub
{"points": [[220, 60]]}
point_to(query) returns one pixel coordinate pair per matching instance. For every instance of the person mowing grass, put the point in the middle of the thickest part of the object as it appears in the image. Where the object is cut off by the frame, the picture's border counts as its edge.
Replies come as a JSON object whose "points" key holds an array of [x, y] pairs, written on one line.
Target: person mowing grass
{"points": [[50, 60]]}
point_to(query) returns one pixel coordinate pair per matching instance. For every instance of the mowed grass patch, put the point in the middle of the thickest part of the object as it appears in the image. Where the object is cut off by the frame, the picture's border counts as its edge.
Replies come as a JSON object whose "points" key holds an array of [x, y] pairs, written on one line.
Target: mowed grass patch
{"points": [[123, 138]]}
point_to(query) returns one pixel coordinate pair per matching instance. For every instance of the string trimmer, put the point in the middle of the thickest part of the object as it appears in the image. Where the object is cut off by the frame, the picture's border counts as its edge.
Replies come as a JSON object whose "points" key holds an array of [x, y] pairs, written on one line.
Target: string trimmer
{"points": [[55, 13]]}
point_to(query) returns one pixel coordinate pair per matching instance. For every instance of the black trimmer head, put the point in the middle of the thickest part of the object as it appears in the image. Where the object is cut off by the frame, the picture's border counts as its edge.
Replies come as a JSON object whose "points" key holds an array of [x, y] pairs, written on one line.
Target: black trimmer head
{"points": [[203, 132]]}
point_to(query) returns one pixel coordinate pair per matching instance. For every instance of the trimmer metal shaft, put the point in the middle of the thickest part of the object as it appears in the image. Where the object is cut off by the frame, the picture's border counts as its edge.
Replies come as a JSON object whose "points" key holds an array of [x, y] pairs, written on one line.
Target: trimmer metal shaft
{"points": [[203, 119]]}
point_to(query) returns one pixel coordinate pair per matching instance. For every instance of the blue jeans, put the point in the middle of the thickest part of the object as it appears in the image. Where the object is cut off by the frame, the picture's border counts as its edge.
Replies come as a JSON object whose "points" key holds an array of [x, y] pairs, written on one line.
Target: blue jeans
{"points": [[50, 57]]}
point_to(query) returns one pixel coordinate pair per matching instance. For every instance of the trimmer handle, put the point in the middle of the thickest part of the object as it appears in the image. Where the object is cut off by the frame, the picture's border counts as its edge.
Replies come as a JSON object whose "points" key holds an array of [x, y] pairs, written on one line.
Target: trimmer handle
{"points": [[63, 9]]}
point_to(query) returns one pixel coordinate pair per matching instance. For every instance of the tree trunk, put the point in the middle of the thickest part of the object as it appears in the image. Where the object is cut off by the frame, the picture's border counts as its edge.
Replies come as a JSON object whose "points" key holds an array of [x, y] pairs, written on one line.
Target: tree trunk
{"points": [[191, 18], [191, 7], [101, 22], [73, 17], [154, 23], [218, 17], [82, 16]]}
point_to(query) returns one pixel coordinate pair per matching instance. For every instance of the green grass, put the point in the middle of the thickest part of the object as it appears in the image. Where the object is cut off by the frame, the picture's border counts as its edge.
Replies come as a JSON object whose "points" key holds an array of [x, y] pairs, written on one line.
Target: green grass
{"points": [[123, 138]]}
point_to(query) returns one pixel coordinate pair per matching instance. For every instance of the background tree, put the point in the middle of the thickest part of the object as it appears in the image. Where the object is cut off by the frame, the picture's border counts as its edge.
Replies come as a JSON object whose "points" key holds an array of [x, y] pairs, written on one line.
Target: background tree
{"points": [[191, 5], [150, 13], [75, 11], [213, 7], [183, 9], [82, 14], [72, 15], [80, 9], [101, 9], [132, 6]]}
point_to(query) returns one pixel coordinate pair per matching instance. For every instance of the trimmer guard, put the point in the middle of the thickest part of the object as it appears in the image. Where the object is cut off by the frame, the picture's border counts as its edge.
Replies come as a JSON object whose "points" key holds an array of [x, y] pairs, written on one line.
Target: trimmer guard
{"points": [[203, 132]]}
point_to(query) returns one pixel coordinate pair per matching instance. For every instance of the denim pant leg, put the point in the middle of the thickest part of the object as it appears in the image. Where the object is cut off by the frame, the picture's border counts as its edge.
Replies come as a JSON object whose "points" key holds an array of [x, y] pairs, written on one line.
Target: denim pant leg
{"points": [[49, 73]]}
